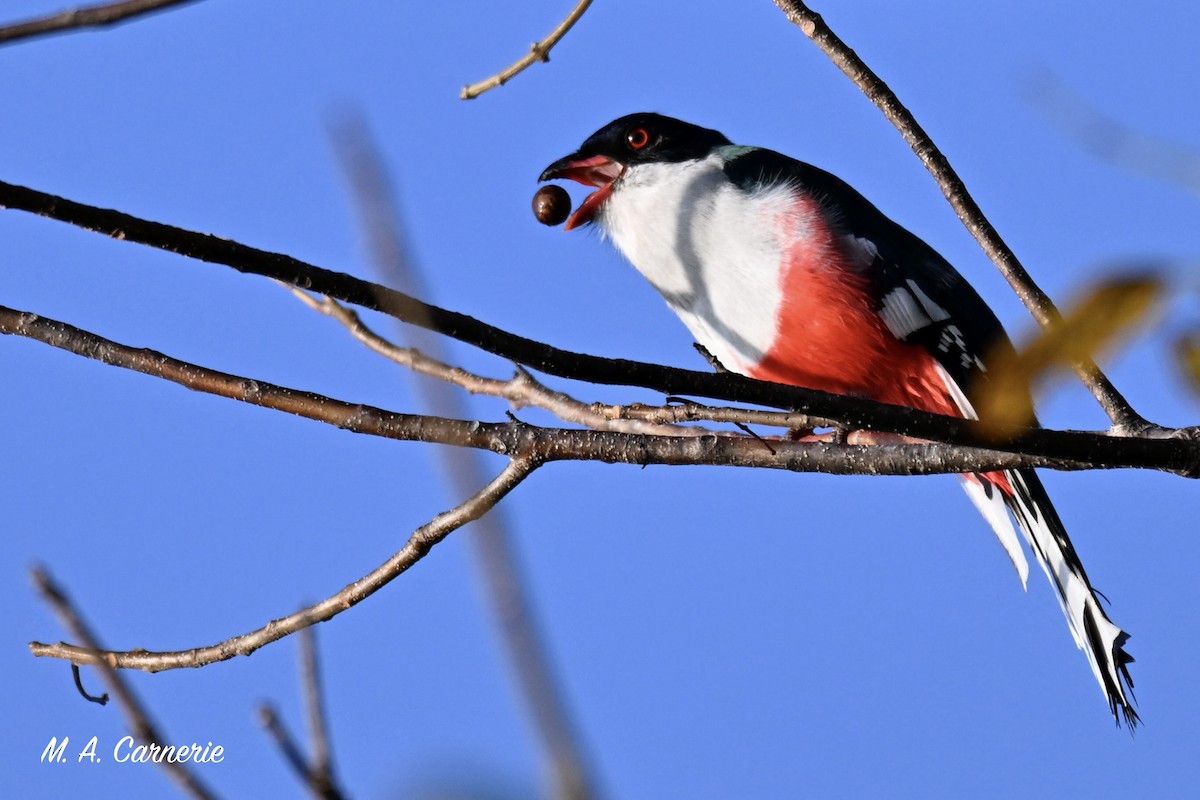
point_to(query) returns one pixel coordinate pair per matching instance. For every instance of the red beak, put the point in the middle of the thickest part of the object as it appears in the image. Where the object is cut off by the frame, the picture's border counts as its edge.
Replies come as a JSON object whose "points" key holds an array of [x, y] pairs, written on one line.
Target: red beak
{"points": [[599, 171]]}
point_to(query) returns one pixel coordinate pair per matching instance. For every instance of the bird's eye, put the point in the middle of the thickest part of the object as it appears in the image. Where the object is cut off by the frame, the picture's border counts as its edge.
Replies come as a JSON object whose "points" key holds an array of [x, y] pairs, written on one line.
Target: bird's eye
{"points": [[637, 138]]}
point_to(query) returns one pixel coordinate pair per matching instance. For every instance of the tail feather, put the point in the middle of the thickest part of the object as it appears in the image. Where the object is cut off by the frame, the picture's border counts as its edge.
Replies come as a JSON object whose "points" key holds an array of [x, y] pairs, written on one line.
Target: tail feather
{"points": [[1026, 498], [1101, 640], [988, 498]]}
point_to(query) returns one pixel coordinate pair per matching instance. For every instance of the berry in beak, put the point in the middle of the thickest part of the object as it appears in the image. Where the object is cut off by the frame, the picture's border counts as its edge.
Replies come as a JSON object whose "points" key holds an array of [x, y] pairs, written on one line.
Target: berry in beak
{"points": [[599, 171]]}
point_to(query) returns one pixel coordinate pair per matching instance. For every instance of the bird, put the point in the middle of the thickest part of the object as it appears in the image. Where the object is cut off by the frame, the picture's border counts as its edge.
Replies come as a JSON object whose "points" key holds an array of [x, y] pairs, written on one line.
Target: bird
{"points": [[784, 272]]}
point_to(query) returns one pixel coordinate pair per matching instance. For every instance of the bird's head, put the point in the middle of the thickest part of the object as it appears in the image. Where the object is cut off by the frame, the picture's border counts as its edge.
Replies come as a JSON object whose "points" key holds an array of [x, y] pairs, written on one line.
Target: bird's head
{"points": [[624, 143]]}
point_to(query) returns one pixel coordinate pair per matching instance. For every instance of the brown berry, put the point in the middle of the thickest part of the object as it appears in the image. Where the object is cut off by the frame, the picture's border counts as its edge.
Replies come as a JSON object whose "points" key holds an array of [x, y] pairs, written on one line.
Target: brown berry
{"points": [[552, 205]]}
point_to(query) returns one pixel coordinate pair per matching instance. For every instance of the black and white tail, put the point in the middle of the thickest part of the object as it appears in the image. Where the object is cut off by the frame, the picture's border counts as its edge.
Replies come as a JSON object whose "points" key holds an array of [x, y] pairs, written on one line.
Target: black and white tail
{"points": [[1094, 632], [1030, 506]]}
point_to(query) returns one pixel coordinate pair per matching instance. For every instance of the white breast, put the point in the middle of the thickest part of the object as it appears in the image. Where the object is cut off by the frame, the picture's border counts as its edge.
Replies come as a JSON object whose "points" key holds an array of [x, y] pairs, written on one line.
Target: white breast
{"points": [[713, 251]]}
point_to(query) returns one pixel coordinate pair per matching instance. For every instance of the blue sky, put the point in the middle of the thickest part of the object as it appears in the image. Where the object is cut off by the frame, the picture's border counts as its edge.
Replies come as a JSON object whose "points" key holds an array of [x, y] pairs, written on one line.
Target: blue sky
{"points": [[718, 632]]}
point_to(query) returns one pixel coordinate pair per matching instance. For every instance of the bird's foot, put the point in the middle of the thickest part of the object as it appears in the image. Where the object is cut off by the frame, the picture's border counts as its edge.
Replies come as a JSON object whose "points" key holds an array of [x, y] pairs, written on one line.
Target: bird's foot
{"points": [[847, 436]]}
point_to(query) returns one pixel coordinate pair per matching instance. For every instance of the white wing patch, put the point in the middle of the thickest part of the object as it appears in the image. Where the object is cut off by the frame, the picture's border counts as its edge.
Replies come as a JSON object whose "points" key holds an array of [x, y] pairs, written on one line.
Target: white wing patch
{"points": [[902, 313], [908, 309]]}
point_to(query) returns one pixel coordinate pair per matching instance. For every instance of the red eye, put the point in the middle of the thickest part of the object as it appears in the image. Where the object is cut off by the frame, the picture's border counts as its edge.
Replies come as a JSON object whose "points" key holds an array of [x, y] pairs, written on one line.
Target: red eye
{"points": [[637, 138]]}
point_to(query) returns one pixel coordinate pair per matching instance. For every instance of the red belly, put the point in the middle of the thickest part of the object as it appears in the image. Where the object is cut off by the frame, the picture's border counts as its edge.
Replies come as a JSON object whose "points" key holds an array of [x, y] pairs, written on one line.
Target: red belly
{"points": [[830, 337]]}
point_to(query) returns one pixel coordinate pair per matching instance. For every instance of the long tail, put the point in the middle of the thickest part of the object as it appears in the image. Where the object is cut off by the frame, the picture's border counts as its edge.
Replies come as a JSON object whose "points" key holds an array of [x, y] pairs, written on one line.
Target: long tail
{"points": [[1021, 493], [1094, 632]]}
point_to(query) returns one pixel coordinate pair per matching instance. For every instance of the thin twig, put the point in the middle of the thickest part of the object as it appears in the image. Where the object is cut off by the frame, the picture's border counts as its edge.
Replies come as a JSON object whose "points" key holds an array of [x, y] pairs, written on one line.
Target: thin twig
{"points": [[678, 411], [418, 545], [86, 17], [1125, 419], [538, 51], [504, 588], [90, 652], [91, 698], [521, 390]]}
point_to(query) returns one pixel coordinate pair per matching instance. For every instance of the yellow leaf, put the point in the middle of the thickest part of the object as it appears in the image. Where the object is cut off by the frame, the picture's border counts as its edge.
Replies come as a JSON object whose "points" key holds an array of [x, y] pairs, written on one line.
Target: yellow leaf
{"points": [[1187, 350], [1105, 315]]}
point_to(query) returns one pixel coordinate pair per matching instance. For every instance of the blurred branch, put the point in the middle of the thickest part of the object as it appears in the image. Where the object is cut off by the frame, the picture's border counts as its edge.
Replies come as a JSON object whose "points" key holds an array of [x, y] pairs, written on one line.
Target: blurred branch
{"points": [[318, 728], [511, 607], [853, 413], [418, 545], [1065, 450], [86, 17], [287, 745], [538, 51], [317, 774], [1124, 418], [90, 652], [1111, 140]]}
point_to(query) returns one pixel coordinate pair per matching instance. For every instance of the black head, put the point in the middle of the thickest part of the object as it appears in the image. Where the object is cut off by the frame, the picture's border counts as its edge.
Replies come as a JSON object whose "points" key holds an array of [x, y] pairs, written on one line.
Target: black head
{"points": [[642, 138]]}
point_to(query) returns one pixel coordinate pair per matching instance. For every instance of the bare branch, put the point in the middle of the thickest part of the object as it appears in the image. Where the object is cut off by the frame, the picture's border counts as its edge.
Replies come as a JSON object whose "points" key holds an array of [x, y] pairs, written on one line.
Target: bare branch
{"points": [[85, 17], [1124, 418], [538, 51], [90, 652], [418, 545], [1065, 450]]}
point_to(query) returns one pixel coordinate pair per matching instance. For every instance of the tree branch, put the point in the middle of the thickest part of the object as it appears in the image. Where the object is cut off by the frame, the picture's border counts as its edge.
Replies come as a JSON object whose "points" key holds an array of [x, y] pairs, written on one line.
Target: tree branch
{"points": [[417, 546], [86, 17], [1124, 418], [1064, 450], [538, 51]]}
